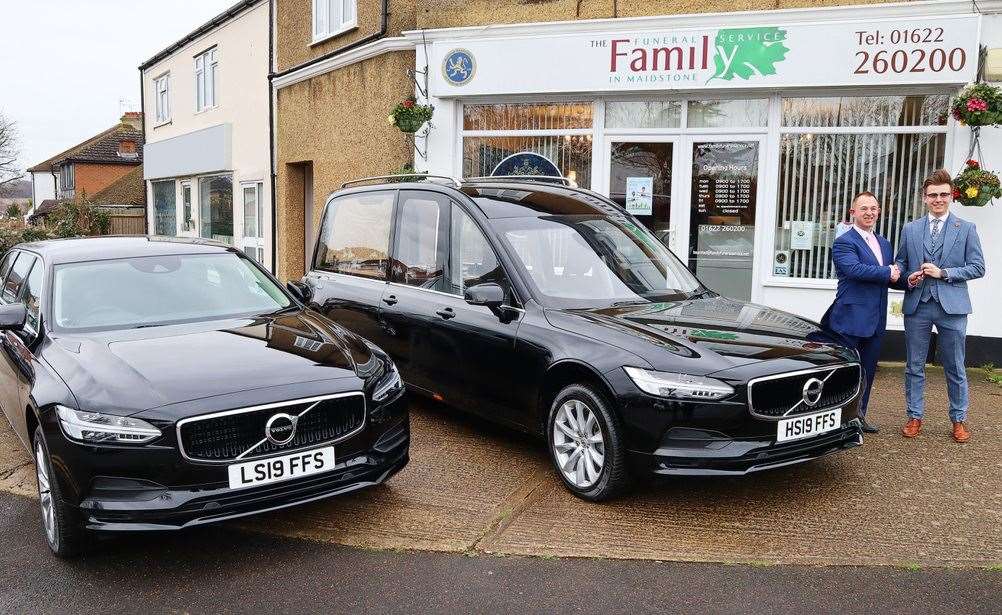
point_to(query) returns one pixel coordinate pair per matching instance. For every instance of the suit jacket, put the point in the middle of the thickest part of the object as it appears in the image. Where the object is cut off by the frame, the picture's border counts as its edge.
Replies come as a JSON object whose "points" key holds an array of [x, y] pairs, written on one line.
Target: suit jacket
{"points": [[860, 306], [961, 257]]}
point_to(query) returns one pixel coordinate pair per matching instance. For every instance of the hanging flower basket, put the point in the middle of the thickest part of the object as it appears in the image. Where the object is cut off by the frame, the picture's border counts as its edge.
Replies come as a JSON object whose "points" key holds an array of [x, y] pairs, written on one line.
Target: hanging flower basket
{"points": [[974, 186], [978, 105], [409, 116]]}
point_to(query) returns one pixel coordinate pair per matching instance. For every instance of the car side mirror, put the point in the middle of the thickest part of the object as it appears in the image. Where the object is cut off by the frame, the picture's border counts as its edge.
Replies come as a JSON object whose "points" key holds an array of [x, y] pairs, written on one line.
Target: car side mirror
{"points": [[303, 292], [488, 294], [13, 317]]}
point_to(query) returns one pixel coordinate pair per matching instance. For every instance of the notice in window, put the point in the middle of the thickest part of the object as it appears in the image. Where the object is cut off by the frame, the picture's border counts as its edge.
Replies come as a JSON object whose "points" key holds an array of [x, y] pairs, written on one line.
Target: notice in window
{"points": [[640, 195], [802, 235], [722, 222]]}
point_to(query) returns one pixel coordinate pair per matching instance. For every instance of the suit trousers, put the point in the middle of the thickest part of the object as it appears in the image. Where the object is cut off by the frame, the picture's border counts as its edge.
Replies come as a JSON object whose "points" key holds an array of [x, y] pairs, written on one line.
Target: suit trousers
{"points": [[951, 346], [869, 352]]}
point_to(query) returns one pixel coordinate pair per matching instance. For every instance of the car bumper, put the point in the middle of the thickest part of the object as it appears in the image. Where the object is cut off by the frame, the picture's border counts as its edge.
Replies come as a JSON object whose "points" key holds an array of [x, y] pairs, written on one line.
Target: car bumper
{"points": [[109, 509], [740, 456]]}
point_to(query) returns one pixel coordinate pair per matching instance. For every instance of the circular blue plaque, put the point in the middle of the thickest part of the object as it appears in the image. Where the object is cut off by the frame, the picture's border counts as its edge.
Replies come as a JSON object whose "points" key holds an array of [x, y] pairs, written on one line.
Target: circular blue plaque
{"points": [[459, 67], [526, 163]]}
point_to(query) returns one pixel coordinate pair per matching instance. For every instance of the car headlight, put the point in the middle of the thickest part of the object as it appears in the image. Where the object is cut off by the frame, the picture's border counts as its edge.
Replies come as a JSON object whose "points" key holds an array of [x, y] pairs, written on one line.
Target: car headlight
{"points": [[389, 384], [97, 428], [678, 386]]}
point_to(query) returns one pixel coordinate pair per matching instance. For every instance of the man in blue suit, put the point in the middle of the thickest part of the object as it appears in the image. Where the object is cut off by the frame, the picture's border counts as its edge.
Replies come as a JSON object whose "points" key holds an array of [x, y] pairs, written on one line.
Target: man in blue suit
{"points": [[865, 269], [941, 253]]}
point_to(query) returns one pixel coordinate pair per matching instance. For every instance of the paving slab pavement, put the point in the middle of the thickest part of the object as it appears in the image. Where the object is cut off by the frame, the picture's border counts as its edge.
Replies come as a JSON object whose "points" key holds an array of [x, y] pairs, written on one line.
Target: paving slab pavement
{"points": [[474, 487]]}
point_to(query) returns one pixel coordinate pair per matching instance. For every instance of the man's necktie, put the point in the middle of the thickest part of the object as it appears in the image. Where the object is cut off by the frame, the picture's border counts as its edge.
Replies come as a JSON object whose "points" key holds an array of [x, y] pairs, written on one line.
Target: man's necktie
{"points": [[934, 234], [871, 239]]}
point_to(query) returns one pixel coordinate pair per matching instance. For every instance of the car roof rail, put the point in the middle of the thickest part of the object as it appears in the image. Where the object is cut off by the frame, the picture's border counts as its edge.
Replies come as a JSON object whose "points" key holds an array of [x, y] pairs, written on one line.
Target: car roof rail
{"points": [[546, 179], [401, 177]]}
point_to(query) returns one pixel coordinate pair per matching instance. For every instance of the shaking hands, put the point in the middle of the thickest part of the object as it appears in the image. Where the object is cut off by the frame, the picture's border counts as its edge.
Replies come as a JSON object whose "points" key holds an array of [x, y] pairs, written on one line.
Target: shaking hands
{"points": [[915, 278], [895, 273]]}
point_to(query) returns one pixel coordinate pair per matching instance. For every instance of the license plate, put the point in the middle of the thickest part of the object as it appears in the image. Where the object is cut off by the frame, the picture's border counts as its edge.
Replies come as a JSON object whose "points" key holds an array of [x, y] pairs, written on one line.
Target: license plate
{"points": [[277, 469], [808, 425]]}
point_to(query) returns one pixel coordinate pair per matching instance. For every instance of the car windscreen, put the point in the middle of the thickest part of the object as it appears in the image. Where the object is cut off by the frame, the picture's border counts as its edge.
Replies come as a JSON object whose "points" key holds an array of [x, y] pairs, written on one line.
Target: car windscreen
{"points": [[594, 261], [157, 290]]}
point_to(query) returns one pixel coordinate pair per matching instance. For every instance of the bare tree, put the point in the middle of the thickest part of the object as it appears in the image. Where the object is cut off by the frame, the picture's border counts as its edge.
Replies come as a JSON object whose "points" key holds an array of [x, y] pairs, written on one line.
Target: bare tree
{"points": [[9, 172]]}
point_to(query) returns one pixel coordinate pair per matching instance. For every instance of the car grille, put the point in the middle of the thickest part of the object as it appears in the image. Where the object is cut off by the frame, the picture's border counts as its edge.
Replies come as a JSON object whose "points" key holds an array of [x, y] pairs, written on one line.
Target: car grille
{"points": [[775, 397], [225, 436]]}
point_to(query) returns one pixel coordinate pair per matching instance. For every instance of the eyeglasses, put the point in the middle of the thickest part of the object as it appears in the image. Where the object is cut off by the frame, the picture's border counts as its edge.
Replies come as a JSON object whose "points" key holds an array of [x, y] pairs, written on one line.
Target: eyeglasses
{"points": [[941, 195]]}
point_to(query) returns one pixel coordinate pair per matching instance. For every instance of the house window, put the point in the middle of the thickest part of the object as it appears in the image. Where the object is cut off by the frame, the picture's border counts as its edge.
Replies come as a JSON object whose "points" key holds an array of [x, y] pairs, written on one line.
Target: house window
{"points": [[161, 87], [332, 17], [67, 177], [834, 148], [206, 80]]}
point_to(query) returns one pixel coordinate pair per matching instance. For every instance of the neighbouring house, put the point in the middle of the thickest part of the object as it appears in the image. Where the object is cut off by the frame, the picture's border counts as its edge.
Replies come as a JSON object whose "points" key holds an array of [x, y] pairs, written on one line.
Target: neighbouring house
{"points": [[124, 200], [207, 160], [91, 166], [745, 127]]}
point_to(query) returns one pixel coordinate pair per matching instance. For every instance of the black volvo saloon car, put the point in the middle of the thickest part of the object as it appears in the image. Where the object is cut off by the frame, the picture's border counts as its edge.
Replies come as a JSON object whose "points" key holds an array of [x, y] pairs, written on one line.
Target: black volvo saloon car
{"points": [[164, 383], [552, 310]]}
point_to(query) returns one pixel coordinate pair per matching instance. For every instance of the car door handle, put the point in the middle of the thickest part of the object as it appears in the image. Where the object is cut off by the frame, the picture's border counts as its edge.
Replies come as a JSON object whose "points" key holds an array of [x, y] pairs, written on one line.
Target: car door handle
{"points": [[446, 313], [391, 300]]}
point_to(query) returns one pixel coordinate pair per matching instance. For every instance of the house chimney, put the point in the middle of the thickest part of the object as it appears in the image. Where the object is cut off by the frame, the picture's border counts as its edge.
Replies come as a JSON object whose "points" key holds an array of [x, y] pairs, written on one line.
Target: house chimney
{"points": [[134, 119]]}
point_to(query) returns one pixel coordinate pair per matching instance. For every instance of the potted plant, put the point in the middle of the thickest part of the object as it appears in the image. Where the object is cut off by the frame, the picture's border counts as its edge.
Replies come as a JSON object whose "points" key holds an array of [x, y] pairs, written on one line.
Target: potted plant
{"points": [[979, 104], [975, 186], [409, 116]]}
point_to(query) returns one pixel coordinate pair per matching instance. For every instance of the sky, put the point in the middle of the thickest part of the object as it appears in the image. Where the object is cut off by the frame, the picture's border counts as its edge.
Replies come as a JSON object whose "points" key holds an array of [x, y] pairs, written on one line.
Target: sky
{"points": [[66, 65]]}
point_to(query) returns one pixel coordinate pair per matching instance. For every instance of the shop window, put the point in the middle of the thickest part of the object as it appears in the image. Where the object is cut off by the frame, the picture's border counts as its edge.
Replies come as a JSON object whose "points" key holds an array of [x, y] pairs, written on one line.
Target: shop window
{"points": [[215, 208], [649, 114], [355, 236], [164, 215], [555, 116], [840, 112], [566, 155], [733, 113], [821, 172]]}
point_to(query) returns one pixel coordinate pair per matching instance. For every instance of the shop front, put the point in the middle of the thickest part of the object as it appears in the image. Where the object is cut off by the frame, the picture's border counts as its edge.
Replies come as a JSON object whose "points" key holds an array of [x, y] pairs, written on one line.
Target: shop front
{"points": [[738, 139]]}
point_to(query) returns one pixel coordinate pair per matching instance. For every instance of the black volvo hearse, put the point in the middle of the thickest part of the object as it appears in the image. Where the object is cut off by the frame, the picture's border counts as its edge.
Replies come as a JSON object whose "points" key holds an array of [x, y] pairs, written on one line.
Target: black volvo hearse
{"points": [[163, 383], [550, 309]]}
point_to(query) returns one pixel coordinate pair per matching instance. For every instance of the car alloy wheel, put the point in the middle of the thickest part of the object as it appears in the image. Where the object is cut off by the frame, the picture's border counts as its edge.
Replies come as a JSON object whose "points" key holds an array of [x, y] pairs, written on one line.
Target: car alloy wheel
{"points": [[578, 443], [45, 496]]}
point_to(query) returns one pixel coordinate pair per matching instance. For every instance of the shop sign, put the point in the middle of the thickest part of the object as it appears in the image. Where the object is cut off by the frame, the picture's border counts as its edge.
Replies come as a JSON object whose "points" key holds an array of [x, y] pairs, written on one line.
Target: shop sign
{"points": [[921, 50]]}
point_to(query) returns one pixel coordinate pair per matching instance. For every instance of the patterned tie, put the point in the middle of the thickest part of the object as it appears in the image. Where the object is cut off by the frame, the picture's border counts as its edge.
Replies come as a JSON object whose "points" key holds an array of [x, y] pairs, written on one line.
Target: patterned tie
{"points": [[934, 234]]}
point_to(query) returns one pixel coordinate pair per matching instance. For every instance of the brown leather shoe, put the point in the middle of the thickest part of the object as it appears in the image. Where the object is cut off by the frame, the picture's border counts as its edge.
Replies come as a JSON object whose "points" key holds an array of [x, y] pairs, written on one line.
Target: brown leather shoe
{"points": [[960, 432], [912, 428]]}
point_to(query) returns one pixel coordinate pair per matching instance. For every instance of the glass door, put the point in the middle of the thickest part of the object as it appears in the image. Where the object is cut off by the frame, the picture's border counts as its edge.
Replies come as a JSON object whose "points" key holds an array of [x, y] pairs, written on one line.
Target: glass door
{"points": [[188, 224], [253, 241], [641, 169], [723, 198]]}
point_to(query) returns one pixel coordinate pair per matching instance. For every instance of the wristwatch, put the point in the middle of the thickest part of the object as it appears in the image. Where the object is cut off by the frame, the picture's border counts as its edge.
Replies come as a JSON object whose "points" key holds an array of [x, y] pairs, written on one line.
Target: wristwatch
{"points": [[946, 275]]}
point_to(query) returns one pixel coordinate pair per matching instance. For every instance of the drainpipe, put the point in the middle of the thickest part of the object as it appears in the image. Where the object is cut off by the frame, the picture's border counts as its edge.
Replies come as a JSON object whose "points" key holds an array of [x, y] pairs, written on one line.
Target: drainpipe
{"points": [[271, 138], [142, 131]]}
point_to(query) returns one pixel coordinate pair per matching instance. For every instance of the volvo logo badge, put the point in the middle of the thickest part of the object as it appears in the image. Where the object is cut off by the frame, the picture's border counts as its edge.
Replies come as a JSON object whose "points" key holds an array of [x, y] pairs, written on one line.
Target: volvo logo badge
{"points": [[812, 391], [281, 429]]}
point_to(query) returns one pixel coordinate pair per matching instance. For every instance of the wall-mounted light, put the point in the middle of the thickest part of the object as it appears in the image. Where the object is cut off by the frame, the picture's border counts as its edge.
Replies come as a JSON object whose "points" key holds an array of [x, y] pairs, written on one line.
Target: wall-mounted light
{"points": [[993, 65]]}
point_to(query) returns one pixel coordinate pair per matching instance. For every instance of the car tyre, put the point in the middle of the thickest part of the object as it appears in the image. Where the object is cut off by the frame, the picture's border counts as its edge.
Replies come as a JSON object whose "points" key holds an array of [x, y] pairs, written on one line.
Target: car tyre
{"points": [[61, 522], [585, 441]]}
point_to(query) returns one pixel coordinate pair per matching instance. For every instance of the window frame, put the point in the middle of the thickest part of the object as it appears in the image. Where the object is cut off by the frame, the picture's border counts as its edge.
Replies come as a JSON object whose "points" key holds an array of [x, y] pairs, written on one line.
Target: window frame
{"points": [[20, 289], [444, 224], [318, 34], [206, 72], [162, 110], [33, 331], [67, 176]]}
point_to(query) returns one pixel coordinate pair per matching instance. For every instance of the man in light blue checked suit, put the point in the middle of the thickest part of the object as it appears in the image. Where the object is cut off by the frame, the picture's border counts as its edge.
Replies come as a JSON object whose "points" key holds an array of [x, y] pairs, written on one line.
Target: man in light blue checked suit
{"points": [[939, 253]]}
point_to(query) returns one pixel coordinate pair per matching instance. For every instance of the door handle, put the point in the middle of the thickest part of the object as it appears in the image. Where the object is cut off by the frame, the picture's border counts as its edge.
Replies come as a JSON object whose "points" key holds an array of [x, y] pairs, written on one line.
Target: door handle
{"points": [[446, 313], [391, 300]]}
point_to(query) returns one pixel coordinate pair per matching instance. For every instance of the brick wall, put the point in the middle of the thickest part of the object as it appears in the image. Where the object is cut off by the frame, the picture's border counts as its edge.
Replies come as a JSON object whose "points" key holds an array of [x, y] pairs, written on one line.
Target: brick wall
{"points": [[93, 178]]}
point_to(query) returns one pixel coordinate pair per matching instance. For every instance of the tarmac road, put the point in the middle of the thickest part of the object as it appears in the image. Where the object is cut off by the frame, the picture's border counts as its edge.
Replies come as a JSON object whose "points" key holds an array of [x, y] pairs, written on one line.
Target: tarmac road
{"points": [[227, 570]]}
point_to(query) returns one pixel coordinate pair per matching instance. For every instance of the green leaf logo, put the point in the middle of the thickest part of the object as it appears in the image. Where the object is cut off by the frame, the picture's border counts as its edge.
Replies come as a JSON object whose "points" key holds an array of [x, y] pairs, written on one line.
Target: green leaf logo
{"points": [[747, 52]]}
